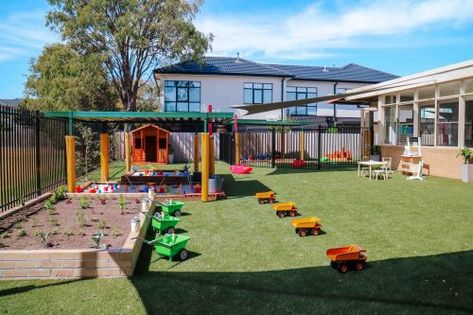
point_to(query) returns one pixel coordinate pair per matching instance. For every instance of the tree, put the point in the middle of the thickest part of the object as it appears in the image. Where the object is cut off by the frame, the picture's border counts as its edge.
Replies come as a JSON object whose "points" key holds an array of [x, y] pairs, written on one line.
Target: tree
{"points": [[132, 35], [61, 79]]}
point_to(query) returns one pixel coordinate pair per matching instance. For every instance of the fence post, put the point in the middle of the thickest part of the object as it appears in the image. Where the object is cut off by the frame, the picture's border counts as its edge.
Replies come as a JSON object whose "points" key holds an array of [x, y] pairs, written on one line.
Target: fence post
{"points": [[319, 147], [38, 152], [273, 147]]}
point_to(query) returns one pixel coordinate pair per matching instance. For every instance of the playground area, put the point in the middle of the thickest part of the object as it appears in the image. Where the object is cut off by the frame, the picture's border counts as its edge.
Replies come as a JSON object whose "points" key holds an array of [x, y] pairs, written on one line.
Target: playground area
{"points": [[243, 259]]}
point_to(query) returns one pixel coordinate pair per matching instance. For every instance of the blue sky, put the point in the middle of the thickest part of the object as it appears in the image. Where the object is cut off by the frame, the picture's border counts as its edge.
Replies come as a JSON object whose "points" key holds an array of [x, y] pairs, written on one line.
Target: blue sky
{"points": [[401, 37]]}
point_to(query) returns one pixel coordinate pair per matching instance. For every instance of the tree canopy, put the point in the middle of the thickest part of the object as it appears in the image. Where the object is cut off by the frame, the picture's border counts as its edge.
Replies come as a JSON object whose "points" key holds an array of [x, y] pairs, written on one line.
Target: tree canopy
{"points": [[132, 36], [61, 79]]}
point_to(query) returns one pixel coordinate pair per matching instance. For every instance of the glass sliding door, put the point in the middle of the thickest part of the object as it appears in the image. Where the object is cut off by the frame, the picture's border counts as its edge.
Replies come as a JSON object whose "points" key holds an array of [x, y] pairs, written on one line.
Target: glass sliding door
{"points": [[447, 129], [427, 124], [406, 123], [390, 125]]}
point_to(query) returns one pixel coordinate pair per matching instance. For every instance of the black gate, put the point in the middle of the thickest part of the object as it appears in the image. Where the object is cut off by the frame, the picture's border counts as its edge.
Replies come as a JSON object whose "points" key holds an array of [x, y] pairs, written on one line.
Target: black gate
{"points": [[324, 147], [32, 155]]}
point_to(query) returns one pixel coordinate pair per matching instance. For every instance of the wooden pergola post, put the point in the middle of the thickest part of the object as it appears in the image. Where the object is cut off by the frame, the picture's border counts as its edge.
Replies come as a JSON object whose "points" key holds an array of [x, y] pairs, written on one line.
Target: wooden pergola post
{"points": [[205, 167], [71, 157], [196, 152], [104, 156], [127, 152], [301, 145]]}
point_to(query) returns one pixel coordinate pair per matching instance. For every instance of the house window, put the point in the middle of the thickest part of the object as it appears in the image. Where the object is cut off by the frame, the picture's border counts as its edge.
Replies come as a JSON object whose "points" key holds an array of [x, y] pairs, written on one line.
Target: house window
{"points": [[469, 124], [390, 124], [452, 88], [447, 128], [406, 123], [181, 96], [427, 92], [427, 123], [300, 93], [257, 93]]}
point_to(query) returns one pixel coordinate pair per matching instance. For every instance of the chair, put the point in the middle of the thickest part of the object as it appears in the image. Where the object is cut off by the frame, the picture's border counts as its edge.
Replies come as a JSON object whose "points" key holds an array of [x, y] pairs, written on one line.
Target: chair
{"points": [[385, 170]]}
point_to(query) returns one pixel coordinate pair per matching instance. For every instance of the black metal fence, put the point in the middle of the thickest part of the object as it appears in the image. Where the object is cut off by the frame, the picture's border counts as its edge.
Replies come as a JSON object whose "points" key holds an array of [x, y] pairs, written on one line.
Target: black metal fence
{"points": [[32, 155], [322, 147]]}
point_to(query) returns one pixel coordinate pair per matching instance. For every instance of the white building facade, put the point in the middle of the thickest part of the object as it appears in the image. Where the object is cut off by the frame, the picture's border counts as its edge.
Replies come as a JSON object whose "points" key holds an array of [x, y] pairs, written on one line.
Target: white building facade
{"points": [[225, 82]]}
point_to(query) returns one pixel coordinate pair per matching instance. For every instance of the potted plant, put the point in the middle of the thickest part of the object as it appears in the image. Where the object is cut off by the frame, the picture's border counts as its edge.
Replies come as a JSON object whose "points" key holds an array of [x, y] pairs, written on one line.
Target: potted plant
{"points": [[467, 167], [375, 153], [170, 155]]}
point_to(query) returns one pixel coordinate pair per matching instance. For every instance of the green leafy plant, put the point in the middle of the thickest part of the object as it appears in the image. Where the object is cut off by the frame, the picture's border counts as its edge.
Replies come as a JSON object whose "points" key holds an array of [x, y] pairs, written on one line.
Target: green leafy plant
{"points": [[53, 221], [122, 203], [81, 219], [2, 245], [21, 233], [466, 154], [4, 235], [68, 232], [101, 225], [55, 231], [52, 199], [60, 193], [48, 205], [116, 232], [97, 238], [81, 232], [17, 225], [103, 200], [44, 238], [84, 202]]}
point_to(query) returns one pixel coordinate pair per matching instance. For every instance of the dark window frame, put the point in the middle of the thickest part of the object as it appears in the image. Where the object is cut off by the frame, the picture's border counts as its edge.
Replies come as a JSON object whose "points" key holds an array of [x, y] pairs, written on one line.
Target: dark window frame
{"points": [[302, 110], [253, 89], [177, 85]]}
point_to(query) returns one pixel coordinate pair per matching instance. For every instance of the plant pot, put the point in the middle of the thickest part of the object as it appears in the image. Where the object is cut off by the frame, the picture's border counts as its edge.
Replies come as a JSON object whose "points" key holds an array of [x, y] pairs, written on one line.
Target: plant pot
{"points": [[467, 173], [171, 158], [375, 157]]}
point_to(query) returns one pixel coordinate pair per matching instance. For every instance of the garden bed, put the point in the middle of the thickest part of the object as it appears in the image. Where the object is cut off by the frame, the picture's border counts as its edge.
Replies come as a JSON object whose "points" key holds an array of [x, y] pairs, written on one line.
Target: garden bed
{"points": [[66, 228]]}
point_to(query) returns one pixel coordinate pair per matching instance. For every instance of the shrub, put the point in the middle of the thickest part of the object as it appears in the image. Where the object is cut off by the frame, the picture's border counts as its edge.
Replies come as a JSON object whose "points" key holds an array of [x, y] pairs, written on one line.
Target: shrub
{"points": [[116, 232], [97, 238], [84, 202], [68, 232], [21, 233], [60, 193], [17, 224], [55, 231], [81, 220], [53, 221], [2, 245], [4, 235], [122, 203], [81, 232], [101, 225], [43, 238], [49, 205]]}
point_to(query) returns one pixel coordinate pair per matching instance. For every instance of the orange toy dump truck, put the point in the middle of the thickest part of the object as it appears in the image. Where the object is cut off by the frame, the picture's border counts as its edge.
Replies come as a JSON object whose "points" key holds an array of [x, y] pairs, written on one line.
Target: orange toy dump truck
{"points": [[285, 209], [264, 197], [307, 226], [349, 256]]}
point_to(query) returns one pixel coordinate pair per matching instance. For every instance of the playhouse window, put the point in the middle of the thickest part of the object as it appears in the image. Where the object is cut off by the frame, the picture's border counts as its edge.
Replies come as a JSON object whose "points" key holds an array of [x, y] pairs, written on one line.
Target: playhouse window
{"points": [[181, 96]]}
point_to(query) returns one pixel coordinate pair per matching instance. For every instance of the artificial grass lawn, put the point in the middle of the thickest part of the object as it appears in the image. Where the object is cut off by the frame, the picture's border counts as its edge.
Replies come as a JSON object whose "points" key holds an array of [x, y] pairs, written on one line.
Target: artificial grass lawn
{"points": [[246, 260]]}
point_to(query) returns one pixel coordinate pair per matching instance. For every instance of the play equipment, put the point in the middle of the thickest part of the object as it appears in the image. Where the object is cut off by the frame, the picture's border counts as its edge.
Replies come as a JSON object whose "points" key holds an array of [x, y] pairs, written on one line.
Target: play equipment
{"points": [[164, 223], [172, 207], [341, 155], [240, 169], [264, 197], [305, 226], [298, 163], [348, 256], [171, 245], [285, 209]]}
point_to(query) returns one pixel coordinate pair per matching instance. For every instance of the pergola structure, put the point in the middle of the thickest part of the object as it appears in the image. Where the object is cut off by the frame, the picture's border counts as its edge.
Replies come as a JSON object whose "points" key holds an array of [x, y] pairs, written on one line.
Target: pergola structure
{"points": [[202, 123]]}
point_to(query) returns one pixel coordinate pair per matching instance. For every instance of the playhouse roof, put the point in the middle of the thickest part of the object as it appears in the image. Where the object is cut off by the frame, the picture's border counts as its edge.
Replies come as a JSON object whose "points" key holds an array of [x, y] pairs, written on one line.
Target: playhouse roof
{"points": [[149, 126]]}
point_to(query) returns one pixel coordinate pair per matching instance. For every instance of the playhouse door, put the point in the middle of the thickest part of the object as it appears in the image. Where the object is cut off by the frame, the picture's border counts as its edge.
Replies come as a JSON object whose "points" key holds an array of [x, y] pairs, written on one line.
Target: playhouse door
{"points": [[151, 149]]}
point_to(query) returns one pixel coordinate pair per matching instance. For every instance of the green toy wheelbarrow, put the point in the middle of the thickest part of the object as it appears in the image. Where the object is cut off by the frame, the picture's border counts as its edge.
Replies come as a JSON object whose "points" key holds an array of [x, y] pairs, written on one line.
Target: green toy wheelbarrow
{"points": [[171, 245], [172, 207], [164, 223]]}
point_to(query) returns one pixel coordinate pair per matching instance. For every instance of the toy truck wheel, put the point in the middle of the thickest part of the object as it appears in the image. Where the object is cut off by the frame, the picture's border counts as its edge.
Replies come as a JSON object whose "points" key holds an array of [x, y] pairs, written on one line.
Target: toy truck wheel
{"points": [[342, 268], [333, 264], [292, 213], [359, 266], [281, 214], [302, 232], [315, 232], [260, 201], [171, 230], [183, 254], [177, 213], [271, 200]]}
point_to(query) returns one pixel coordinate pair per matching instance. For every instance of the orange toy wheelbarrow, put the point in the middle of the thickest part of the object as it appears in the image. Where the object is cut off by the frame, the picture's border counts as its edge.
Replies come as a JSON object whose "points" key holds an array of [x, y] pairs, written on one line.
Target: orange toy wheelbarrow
{"points": [[264, 197], [306, 226], [348, 256], [285, 209]]}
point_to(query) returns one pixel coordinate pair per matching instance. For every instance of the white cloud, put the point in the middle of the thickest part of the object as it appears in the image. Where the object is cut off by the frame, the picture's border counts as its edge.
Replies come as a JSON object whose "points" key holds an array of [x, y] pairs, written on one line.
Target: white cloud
{"points": [[24, 34], [314, 32]]}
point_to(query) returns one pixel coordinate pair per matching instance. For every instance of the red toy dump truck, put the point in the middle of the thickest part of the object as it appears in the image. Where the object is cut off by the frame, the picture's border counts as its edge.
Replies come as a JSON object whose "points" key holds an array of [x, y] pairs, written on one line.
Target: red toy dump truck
{"points": [[348, 256]]}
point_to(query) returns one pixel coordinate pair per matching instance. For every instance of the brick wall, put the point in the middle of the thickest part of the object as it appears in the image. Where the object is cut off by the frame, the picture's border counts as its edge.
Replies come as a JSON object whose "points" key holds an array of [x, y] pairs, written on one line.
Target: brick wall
{"points": [[75, 263], [441, 162]]}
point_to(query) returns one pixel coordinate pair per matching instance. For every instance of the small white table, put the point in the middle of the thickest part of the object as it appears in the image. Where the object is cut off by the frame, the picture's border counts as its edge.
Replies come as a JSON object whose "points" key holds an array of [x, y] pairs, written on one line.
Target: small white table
{"points": [[371, 164]]}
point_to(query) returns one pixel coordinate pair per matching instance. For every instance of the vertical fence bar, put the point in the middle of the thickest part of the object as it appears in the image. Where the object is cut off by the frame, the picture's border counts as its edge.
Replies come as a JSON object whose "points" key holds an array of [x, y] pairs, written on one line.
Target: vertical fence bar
{"points": [[38, 153], [273, 147]]}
